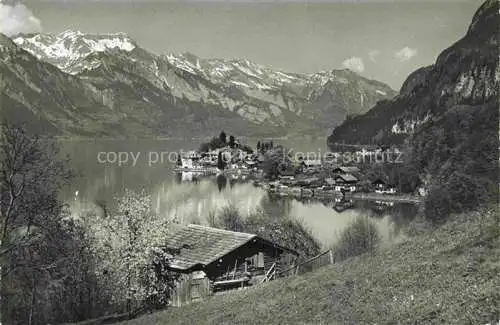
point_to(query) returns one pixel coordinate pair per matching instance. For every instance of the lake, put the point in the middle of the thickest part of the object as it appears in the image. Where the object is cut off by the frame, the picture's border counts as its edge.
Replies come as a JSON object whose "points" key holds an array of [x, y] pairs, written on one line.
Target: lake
{"points": [[105, 168]]}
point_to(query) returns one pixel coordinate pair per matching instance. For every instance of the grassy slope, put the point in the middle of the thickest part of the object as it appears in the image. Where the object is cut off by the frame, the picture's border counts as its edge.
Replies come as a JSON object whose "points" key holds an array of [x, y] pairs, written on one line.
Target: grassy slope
{"points": [[443, 276]]}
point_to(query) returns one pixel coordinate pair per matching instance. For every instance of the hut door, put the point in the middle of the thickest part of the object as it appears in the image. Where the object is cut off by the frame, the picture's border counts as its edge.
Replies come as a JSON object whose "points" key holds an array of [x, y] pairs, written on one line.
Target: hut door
{"points": [[195, 290], [260, 260]]}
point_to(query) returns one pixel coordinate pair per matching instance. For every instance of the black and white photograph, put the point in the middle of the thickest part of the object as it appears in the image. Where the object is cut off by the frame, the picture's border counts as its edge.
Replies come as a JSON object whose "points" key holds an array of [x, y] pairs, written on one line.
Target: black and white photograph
{"points": [[239, 162]]}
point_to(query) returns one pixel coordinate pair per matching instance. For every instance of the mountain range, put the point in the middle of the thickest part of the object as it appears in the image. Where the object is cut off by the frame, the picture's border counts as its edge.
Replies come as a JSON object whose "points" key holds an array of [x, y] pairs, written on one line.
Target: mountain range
{"points": [[464, 77], [447, 119], [106, 84]]}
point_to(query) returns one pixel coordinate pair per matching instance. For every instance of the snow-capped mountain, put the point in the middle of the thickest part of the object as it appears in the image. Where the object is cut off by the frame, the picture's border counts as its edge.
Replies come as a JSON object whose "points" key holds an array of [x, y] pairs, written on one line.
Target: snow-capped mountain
{"points": [[68, 48], [275, 101]]}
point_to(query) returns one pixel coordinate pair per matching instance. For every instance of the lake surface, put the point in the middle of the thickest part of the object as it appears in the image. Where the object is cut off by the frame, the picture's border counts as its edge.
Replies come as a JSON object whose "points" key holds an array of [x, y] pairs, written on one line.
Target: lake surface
{"points": [[105, 168]]}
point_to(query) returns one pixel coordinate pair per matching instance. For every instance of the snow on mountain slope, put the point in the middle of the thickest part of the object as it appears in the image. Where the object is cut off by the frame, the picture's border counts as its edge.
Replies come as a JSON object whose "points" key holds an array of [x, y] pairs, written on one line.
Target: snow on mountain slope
{"points": [[67, 48], [256, 93]]}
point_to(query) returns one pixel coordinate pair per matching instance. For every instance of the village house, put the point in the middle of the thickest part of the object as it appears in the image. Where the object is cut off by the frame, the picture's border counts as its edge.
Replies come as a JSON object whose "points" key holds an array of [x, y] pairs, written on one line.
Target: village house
{"points": [[309, 182], [189, 160], [236, 143], [346, 183], [209, 260], [238, 154], [382, 187], [329, 182], [250, 164], [309, 165], [209, 158], [346, 170], [422, 191], [287, 175]]}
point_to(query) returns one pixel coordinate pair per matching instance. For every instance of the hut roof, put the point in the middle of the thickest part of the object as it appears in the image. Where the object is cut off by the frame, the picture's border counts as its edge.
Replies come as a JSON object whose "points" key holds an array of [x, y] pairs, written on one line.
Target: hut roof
{"points": [[347, 178], [347, 170], [200, 246]]}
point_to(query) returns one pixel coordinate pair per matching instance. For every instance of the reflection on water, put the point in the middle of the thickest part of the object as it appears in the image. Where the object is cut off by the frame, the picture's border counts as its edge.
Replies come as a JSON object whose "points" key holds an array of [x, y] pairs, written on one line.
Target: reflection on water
{"points": [[194, 201], [191, 197], [327, 220]]}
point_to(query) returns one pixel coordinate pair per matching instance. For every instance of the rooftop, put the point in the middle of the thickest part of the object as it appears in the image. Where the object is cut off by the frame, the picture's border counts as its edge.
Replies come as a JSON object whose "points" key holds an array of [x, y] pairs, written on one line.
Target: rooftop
{"points": [[200, 245], [348, 178], [347, 169]]}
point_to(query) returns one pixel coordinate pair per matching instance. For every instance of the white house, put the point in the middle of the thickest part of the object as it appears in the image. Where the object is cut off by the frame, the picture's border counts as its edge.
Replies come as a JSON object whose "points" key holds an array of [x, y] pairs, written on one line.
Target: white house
{"points": [[346, 182]]}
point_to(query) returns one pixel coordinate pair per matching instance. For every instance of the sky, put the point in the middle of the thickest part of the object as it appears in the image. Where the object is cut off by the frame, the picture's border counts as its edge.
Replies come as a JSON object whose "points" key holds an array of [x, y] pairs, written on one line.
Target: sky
{"points": [[382, 40]]}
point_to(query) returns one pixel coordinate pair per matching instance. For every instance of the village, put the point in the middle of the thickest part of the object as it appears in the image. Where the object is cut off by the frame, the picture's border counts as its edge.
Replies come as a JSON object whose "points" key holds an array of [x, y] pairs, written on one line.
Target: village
{"points": [[298, 176]]}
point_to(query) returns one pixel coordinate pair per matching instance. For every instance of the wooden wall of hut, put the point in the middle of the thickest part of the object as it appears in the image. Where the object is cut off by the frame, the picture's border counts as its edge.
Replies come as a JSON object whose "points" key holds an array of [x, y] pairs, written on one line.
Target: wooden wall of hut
{"points": [[189, 289]]}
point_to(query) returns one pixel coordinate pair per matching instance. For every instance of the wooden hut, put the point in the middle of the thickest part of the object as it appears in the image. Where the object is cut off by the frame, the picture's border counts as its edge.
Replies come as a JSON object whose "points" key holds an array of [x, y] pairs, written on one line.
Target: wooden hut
{"points": [[210, 260]]}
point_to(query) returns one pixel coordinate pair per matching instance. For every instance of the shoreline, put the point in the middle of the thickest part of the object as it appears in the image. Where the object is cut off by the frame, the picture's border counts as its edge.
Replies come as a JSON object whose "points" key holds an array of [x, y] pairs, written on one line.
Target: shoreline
{"points": [[403, 198]]}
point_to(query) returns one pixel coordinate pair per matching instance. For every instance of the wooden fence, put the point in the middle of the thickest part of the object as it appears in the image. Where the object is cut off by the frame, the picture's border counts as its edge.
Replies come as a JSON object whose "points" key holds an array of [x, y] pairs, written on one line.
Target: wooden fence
{"points": [[312, 264]]}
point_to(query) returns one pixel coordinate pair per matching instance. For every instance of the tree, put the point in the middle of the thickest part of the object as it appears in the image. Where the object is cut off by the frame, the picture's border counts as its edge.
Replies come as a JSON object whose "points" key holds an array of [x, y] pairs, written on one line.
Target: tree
{"points": [[231, 219], [287, 232], [212, 219], [247, 149], [128, 247], [276, 160], [284, 231], [31, 220], [274, 171], [221, 163], [456, 193], [205, 147], [361, 236], [222, 137], [214, 143], [56, 281], [31, 175], [231, 141]]}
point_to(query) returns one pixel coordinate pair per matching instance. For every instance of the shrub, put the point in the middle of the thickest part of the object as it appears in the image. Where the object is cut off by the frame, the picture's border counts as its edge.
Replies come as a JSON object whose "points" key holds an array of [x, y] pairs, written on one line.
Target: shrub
{"points": [[289, 233], [157, 279], [361, 236], [212, 219], [437, 204], [231, 219], [459, 193], [276, 160], [214, 143], [247, 149]]}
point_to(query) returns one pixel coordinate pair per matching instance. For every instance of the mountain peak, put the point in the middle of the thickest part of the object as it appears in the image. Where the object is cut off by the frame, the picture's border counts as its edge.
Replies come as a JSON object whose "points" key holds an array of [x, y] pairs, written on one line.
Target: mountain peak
{"points": [[70, 46], [485, 21], [70, 33]]}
